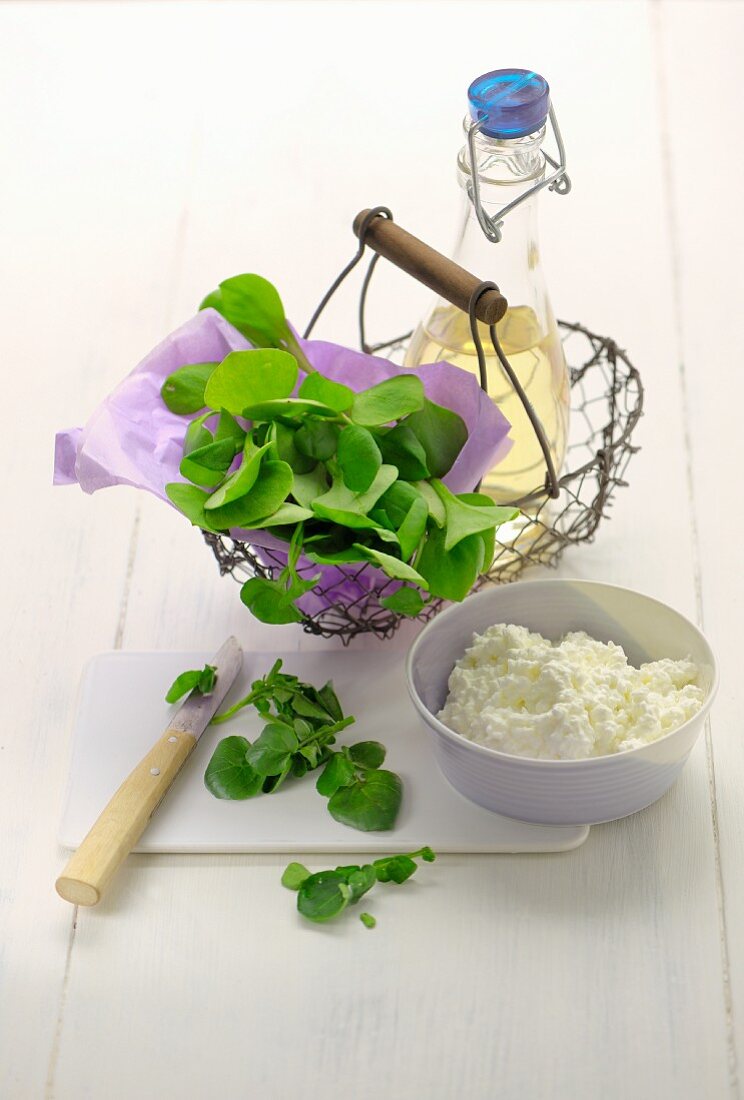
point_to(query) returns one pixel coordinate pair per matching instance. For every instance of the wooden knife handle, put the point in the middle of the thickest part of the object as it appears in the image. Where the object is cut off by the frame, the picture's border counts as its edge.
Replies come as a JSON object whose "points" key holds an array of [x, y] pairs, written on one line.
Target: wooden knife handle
{"points": [[123, 820], [443, 276]]}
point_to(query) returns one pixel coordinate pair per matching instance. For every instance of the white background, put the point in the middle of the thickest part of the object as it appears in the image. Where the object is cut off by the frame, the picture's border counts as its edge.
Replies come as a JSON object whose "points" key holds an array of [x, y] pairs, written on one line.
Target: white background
{"points": [[150, 150]]}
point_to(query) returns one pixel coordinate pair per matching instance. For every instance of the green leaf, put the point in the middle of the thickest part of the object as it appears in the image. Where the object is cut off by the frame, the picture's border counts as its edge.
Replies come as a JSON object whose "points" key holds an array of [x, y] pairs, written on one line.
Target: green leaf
{"points": [[338, 772], [323, 896], [228, 774], [284, 438], [228, 428], [269, 491], [406, 601], [207, 679], [253, 306], [360, 881], [287, 514], [442, 434], [346, 556], [341, 505], [190, 500], [393, 567], [183, 391], [412, 529], [394, 869], [246, 378], [183, 684], [294, 876], [369, 804], [333, 394], [450, 574], [367, 920], [398, 499], [243, 480], [479, 500], [317, 439], [307, 487], [371, 754], [359, 458], [270, 753], [463, 519], [436, 507], [208, 465], [387, 401], [293, 407], [327, 696], [197, 435], [401, 447], [269, 601]]}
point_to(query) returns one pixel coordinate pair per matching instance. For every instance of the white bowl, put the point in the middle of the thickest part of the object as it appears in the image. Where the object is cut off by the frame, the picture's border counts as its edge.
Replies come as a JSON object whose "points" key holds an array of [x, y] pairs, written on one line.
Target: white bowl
{"points": [[559, 792]]}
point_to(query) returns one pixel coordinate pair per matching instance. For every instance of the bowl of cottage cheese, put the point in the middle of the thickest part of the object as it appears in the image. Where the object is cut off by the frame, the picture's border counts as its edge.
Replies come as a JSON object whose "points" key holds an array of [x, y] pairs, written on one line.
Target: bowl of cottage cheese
{"points": [[562, 702]]}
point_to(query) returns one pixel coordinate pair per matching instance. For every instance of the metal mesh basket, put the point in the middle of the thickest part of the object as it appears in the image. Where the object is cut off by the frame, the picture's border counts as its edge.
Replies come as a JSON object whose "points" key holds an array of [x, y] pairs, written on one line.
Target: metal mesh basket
{"points": [[606, 404]]}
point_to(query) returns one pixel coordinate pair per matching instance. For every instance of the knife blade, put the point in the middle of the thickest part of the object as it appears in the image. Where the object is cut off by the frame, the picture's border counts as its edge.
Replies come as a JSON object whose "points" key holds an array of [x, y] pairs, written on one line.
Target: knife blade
{"points": [[128, 812]]}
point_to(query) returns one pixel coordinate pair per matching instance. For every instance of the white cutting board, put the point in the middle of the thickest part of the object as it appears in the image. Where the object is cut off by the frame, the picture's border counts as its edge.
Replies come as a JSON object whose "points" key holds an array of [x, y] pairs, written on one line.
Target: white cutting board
{"points": [[121, 713]]}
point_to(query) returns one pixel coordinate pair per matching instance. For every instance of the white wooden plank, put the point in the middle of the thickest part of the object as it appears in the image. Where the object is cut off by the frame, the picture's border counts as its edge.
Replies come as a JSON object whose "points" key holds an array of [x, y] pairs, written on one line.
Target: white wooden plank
{"points": [[74, 274], [550, 977], [709, 238]]}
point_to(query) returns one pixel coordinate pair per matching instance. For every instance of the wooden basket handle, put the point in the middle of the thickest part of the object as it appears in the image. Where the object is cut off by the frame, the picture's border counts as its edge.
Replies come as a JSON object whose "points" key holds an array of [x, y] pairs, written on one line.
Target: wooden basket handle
{"points": [[443, 276]]}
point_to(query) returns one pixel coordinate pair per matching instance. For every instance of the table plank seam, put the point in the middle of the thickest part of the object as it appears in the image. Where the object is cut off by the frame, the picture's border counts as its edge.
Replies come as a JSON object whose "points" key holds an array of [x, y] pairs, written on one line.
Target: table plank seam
{"points": [[675, 257]]}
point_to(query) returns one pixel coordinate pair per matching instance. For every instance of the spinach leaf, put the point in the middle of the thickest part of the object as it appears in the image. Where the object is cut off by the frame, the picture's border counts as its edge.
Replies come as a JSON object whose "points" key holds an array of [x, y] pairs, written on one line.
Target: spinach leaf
{"points": [[442, 434], [401, 447], [359, 458], [269, 754], [307, 487], [183, 391], [317, 439], [244, 478], [294, 876], [246, 378], [370, 754], [463, 519], [323, 896], [333, 394], [203, 679], [338, 772], [412, 529], [287, 450], [390, 400], [228, 774], [268, 492], [393, 567], [190, 501], [269, 601], [369, 804], [208, 465], [450, 573], [293, 408]]}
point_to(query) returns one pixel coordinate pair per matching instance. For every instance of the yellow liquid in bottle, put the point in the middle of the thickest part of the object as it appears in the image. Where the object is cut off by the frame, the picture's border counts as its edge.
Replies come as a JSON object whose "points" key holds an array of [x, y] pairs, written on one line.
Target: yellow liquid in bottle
{"points": [[537, 359]]}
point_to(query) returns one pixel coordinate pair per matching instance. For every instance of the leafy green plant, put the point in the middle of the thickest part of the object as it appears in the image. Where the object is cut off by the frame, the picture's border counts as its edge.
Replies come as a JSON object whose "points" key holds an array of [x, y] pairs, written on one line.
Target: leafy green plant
{"points": [[301, 724], [341, 477], [201, 679], [326, 894]]}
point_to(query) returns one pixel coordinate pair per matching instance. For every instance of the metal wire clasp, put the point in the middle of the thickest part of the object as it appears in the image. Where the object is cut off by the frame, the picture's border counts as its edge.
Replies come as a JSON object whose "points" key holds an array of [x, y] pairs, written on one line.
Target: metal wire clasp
{"points": [[558, 181]]}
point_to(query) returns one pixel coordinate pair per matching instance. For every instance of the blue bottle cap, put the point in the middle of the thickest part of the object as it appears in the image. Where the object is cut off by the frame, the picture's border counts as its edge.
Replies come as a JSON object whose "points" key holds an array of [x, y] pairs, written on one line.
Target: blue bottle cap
{"points": [[509, 102]]}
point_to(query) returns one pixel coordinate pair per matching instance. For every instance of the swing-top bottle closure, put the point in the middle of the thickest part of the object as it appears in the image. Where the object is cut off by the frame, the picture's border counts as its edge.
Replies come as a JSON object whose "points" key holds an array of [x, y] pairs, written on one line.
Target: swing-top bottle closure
{"points": [[508, 112]]}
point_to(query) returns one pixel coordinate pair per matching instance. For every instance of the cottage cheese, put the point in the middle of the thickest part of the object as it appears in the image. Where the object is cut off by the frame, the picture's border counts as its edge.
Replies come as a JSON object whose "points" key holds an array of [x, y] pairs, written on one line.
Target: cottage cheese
{"points": [[520, 693]]}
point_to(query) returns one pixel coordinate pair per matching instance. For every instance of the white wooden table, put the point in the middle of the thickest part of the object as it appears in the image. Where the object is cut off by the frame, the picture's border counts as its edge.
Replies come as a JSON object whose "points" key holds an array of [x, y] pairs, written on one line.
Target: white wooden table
{"points": [[150, 151]]}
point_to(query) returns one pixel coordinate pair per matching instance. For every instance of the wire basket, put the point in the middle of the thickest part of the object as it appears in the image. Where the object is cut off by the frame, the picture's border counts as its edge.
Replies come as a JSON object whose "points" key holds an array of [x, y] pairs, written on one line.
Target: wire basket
{"points": [[606, 404]]}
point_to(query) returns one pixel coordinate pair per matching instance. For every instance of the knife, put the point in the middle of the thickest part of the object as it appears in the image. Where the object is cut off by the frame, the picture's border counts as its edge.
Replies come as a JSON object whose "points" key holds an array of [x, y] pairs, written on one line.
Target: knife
{"points": [[126, 816]]}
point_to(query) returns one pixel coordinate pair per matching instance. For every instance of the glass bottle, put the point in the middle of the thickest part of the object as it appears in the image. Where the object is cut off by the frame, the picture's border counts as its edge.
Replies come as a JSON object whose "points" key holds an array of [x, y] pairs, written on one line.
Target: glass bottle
{"points": [[508, 114]]}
